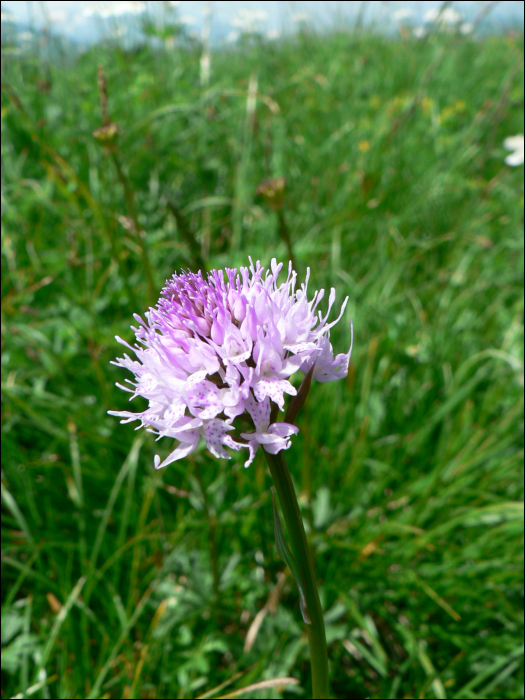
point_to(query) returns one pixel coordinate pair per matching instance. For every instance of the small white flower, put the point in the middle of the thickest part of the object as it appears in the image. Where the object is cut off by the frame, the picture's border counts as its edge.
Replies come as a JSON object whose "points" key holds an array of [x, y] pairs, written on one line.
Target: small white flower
{"points": [[515, 144], [431, 15], [118, 32], [116, 9], [92, 9], [402, 13], [447, 16], [57, 16], [419, 32], [466, 28], [7, 17], [273, 34], [301, 17], [451, 16], [129, 8], [187, 19], [249, 21]]}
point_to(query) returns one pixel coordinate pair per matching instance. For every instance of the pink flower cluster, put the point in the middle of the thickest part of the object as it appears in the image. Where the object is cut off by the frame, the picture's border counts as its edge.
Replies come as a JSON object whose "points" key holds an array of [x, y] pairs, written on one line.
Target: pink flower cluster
{"points": [[215, 348]]}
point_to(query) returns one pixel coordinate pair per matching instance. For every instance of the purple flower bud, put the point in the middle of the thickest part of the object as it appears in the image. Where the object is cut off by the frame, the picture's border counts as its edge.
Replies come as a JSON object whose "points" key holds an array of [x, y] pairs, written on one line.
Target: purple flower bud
{"points": [[239, 309], [217, 332], [233, 295]]}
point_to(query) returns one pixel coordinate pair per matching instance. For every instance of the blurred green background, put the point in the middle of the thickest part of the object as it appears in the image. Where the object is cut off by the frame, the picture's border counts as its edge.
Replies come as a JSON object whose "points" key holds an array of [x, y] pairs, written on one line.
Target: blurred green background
{"points": [[122, 582]]}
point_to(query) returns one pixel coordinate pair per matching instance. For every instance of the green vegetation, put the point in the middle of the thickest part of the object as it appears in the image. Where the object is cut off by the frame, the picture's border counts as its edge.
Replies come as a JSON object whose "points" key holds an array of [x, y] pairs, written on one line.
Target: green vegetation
{"points": [[120, 581]]}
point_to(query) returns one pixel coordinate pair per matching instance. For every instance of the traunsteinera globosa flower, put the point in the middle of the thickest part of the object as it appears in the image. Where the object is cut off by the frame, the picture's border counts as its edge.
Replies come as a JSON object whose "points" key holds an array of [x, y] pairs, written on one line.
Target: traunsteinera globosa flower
{"points": [[223, 348]]}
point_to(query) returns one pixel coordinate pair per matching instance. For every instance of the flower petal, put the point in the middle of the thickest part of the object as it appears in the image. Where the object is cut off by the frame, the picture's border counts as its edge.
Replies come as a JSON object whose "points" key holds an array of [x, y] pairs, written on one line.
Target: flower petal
{"points": [[274, 388], [182, 450], [511, 143], [283, 430], [515, 158]]}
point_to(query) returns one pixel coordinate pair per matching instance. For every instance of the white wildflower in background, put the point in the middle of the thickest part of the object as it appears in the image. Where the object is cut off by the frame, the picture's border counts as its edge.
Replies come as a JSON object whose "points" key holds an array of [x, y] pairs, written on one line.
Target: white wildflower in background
{"points": [[118, 32], [249, 21], [57, 16], [116, 9], [93, 9], [187, 19], [301, 17], [449, 16], [233, 36], [419, 32], [6, 16], [431, 15], [466, 28], [402, 13], [126, 8], [515, 144]]}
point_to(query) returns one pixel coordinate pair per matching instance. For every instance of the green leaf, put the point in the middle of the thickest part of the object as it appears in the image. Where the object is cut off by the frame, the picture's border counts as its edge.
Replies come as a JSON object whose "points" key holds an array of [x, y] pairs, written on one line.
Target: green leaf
{"points": [[12, 623], [289, 560], [321, 508], [13, 654]]}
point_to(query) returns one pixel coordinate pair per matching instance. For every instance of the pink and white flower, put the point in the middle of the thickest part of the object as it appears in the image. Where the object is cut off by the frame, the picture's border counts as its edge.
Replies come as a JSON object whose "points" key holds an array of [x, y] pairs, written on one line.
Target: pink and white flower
{"points": [[216, 348]]}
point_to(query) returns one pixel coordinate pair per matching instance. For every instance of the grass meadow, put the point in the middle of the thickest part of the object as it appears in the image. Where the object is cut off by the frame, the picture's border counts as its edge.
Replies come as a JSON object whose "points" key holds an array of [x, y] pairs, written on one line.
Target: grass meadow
{"points": [[119, 581]]}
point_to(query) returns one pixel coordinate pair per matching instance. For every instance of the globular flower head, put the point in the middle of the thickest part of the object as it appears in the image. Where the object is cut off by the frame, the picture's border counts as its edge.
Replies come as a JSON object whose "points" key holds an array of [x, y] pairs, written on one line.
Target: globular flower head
{"points": [[215, 349]]}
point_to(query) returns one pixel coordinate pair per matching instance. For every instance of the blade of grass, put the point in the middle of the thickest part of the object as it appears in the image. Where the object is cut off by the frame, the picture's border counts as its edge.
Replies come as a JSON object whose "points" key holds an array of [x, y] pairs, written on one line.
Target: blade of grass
{"points": [[487, 672], [34, 688], [138, 671], [24, 665], [155, 481], [57, 625], [12, 506], [262, 685], [131, 459], [138, 610], [502, 676]]}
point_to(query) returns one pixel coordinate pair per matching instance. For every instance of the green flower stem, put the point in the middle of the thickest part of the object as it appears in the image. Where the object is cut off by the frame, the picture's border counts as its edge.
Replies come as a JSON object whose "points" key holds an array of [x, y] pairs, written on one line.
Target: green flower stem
{"points": [[299, 547]]}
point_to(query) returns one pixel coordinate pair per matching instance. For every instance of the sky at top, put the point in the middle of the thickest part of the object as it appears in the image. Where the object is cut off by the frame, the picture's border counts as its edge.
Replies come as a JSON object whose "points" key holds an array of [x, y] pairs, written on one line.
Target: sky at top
{"points": [[85, 19]]}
